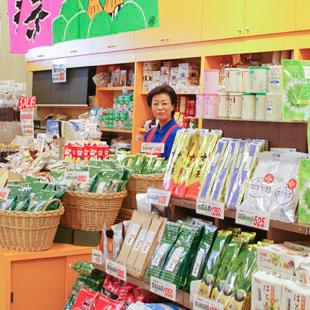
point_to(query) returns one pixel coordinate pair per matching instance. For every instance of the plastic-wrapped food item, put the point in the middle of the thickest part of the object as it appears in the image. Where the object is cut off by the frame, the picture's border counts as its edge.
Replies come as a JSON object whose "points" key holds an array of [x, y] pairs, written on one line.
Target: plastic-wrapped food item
{"points": [[10, 202], [193, 184], [104, 181], [117, 176], [203, 251], [178, 263], [84, 268], [149, 164], [85, 299], [214, 262], [39, 200], [162, 251], [117, 239], [304, 191], [104, 246], [231, 253], [274, 186], [104, 302], [142, 306]]}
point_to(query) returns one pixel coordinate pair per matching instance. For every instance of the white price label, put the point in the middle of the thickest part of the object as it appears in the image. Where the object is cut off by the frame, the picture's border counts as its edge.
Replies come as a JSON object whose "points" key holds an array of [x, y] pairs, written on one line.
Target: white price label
{"points": [[77, 176], [97, 257], [163, 288], [90, 126], [195, 285], [153, 148], [252, 218], [4, 192], [210, 208], [116, 270], [158, 197], [201, 303]]}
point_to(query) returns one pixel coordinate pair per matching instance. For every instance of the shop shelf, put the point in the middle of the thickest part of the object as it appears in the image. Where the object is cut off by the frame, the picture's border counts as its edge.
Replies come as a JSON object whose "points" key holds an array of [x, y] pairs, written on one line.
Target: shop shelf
{"points": [[130, 88], [118, 130], [63, 106], [290, 227]]}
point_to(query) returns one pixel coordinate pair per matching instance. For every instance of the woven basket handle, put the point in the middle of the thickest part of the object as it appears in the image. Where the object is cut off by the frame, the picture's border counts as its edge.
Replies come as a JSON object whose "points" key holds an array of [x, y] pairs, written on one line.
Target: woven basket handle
{"points": [[108, 157], [50, 202], [116, 183]]}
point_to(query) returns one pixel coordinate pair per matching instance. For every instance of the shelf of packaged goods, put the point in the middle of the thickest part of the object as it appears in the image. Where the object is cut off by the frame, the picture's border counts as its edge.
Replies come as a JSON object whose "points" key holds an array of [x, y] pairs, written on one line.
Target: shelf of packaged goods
{"points": [[145, 92], [118, 130], [63, 106], [146, 286], [291, 227], [129, 88]]}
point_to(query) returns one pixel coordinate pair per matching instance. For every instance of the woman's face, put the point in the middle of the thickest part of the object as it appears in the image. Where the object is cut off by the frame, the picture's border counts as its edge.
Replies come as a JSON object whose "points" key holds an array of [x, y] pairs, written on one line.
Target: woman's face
{"points": [[162, 107]]}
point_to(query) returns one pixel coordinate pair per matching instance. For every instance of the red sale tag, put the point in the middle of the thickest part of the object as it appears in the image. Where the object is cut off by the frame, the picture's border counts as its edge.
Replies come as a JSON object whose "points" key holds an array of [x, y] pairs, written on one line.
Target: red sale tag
{"points": [[27, 102], [252, 218], [210, 208], [117, 270], [163, 288]]}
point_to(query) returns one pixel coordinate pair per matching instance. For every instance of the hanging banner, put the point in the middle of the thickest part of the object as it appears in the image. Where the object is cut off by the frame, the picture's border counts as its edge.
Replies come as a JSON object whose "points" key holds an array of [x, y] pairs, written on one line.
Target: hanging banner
{"points": [[36, 23], [31, 23]]}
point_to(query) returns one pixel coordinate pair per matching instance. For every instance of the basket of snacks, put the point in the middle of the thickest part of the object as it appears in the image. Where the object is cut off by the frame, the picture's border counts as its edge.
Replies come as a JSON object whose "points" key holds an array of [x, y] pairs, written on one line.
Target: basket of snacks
{"points": [[89, 211], [30, 230]]}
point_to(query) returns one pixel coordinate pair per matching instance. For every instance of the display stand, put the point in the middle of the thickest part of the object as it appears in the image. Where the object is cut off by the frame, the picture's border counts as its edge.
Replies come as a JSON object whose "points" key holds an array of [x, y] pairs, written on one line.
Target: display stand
{"points": [[39, 280]]}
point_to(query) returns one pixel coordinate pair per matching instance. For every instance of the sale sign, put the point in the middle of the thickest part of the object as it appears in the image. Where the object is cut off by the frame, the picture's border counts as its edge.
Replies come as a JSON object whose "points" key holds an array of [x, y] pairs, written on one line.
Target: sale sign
{"points": [[27, 102], [158, 197], [252, 218], [163, 288], [116, 270], [210, 208]]}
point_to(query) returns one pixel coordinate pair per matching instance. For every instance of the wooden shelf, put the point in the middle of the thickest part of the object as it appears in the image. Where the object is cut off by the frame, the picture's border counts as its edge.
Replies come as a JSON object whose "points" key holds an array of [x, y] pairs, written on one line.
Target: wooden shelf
{"points": [[140, 283], [130, 88], [291, 227], [119, 130], [143, 130], [178, 93], [64, 106]]}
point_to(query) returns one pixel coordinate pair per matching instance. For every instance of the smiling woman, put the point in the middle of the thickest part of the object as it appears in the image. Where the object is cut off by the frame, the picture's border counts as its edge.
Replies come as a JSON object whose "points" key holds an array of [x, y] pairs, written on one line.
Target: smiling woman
{"points": [[162, 100]]}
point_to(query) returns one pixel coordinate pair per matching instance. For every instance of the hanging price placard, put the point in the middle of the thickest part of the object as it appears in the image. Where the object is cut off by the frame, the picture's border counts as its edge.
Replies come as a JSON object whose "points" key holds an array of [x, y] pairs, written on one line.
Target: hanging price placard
{"points": [[201, 303], [116, 270], [97, 256], [163, 288], [153, 148], [158, 197], [27, 102], [210, 208], [4, 192], [252, 218]]}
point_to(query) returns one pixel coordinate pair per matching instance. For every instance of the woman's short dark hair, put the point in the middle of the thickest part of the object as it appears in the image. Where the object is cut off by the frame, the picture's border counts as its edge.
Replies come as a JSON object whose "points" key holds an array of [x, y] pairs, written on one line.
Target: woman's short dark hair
{"points": [[163, 89]]}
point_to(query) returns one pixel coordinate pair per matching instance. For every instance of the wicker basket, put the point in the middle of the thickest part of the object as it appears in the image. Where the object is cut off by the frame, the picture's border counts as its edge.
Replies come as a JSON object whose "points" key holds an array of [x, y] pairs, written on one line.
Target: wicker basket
{"points": [[138, 184], [89, 211], [29, 231], [124, 215]]}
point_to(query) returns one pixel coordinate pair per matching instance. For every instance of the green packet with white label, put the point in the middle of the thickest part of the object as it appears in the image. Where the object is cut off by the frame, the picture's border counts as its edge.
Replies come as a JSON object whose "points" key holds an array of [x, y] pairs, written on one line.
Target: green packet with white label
{"points": [[214, 262], [58, 177], [29, 179], [201, 255], [178, 262], [126, 176], [103, 181], [10, 201], [39, 200], [17, 182], [22, 201], [162, 251], [229, 258], [149, 164], [120, 157], [117, 176]]}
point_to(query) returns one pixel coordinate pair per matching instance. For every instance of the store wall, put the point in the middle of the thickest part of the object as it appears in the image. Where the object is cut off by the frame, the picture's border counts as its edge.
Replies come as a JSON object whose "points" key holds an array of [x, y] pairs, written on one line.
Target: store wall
{"points": [[12, 67]]}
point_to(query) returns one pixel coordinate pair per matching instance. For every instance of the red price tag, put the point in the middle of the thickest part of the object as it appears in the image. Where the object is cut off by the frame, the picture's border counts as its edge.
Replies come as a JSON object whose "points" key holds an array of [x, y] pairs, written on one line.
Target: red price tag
{"points": [[4, 192], [158, 196], [210, 208], [27, 102], [259, 221], [163, 288], [252, 218], [81, 178], [117, 270]]}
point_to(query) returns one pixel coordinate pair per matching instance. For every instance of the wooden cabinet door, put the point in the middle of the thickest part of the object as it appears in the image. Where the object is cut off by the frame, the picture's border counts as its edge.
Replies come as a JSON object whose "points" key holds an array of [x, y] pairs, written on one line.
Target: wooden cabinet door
{"points": [[153, 36], [222, 19], [74, 48], [42, 53], [269, 16], [302, 15], [38, 284], [183, 21]]}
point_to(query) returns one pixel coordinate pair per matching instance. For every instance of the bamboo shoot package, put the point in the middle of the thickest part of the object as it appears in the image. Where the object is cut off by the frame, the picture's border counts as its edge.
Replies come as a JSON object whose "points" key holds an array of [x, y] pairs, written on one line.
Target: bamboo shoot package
{"points": [[178, 262]]}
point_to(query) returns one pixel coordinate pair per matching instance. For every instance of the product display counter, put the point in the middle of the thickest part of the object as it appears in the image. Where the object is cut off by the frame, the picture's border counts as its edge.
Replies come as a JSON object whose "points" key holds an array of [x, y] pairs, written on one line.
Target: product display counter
{"points": [[39, 280]]}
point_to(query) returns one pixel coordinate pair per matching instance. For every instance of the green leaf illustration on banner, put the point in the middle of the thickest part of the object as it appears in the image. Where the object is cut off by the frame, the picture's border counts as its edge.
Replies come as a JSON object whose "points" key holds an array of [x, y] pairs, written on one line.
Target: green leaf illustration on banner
{"points": [[80, 19]]}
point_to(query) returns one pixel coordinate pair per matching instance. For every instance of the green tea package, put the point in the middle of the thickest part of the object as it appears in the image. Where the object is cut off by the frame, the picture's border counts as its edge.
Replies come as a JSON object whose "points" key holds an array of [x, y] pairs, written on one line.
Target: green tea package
{"points": [[103, 181], [109, 164], [39, 200], [202, 255], [120, 157], [22, 201], [214, 262], [9, 202], [57, 177], [238, 284], [83, 268], [158, 165], [178, 263], [126, 176], [162, 251], [38, 186], [149, 164], [117, 176], [231, 254], [139, 163], [304, 192], [29, 179]]}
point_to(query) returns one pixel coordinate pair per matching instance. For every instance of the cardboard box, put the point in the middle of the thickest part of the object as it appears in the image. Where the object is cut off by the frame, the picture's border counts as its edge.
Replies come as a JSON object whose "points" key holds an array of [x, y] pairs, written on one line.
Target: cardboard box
{"points": [[151, 65], [64, 235], [134, 228], [295, 296], [86, 238], [282, 258], [147, 248], [6, 176], [138, 243]]}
